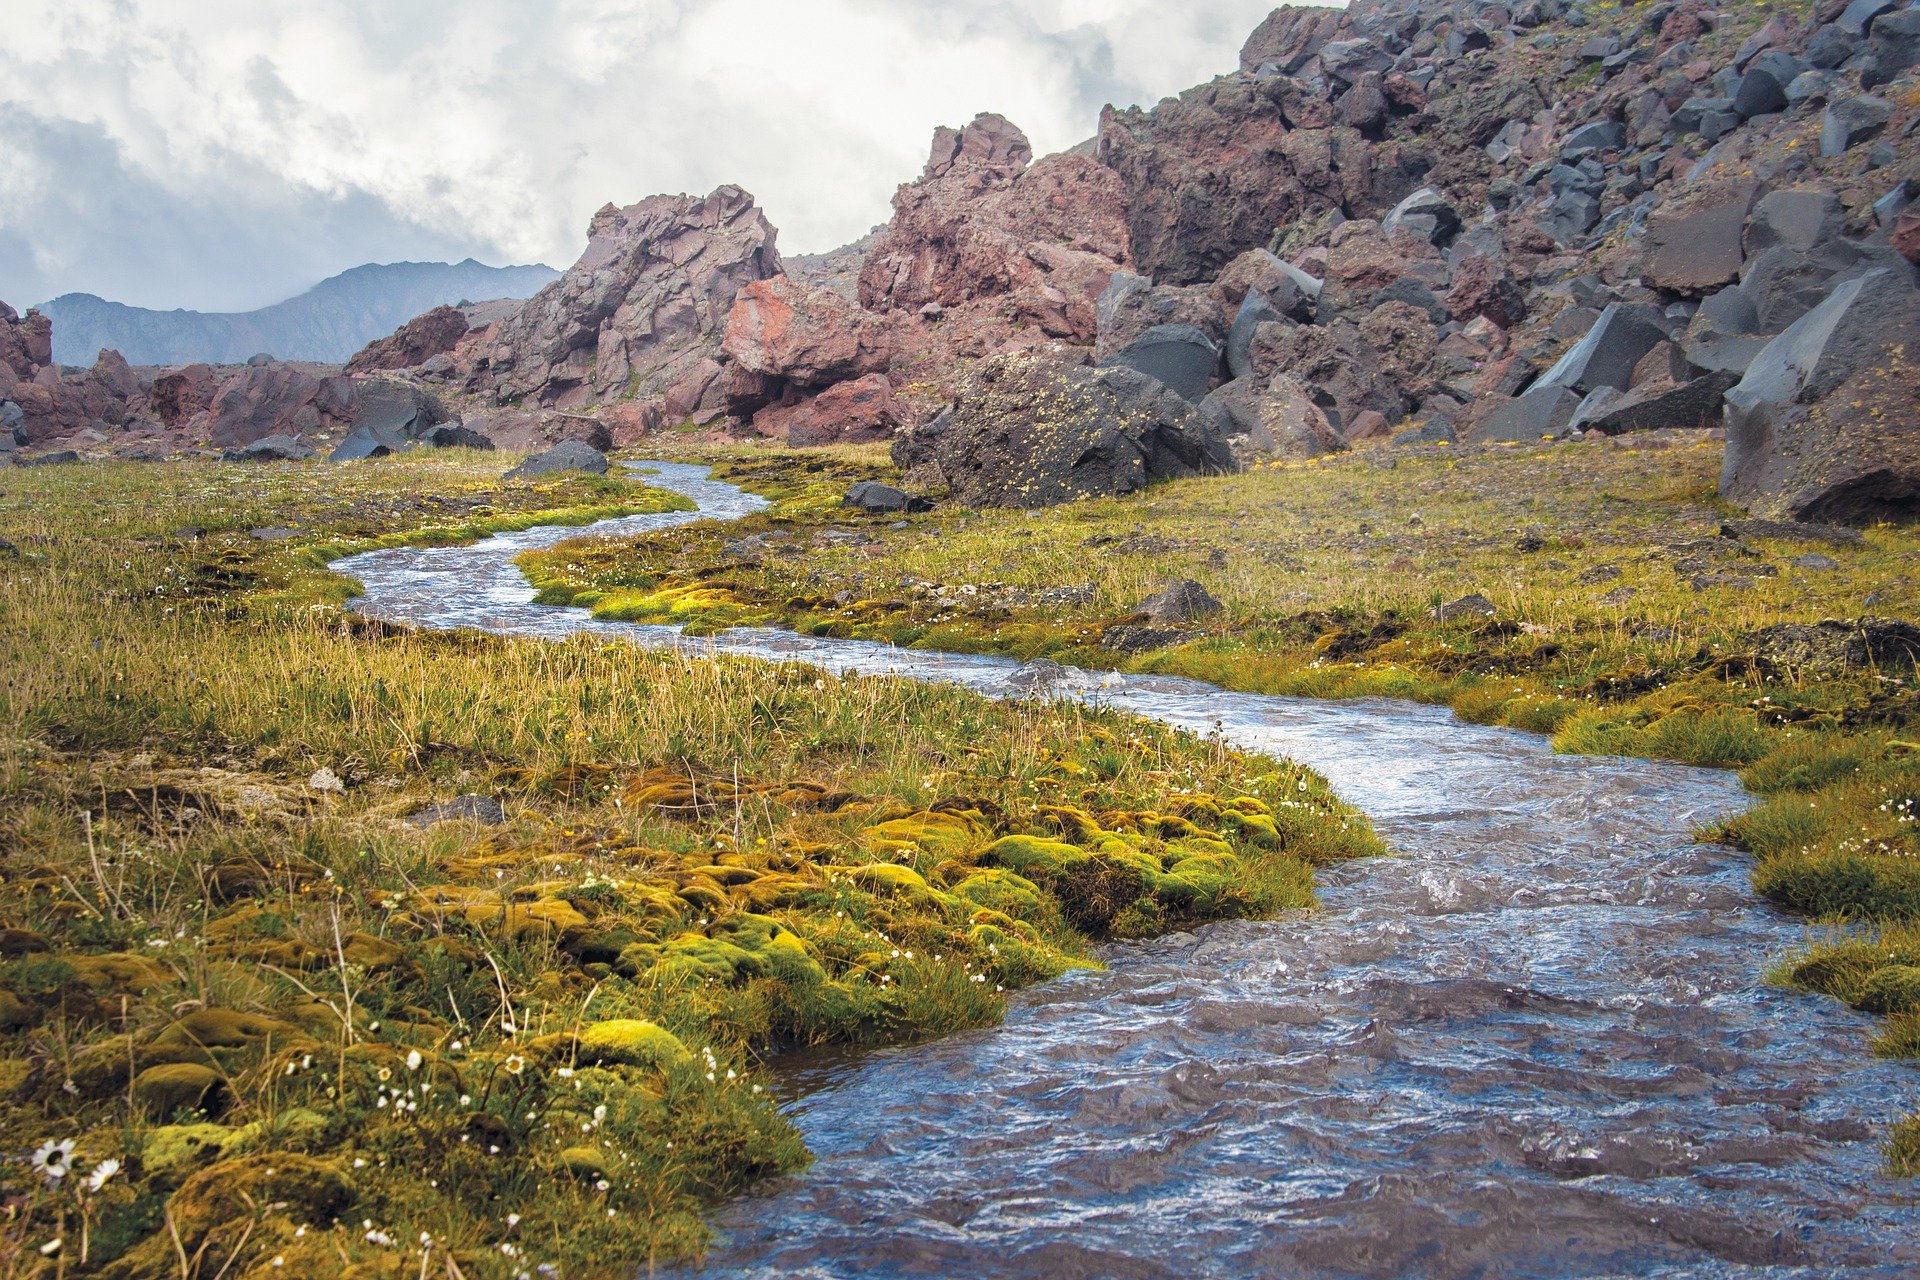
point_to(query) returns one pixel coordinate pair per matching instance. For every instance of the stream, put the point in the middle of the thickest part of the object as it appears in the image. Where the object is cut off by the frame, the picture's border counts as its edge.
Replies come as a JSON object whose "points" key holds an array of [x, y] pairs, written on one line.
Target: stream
{"points": [[1536, 1042]]}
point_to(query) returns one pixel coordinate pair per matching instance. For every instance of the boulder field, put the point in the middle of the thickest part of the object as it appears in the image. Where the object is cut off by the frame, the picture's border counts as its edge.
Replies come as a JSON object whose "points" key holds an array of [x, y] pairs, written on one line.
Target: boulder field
{"points": [[1416, 221]]}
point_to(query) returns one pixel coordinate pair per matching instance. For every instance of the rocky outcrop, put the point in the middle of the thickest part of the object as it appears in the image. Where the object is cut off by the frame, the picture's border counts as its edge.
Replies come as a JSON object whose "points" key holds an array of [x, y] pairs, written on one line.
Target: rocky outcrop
{"points": [[438, 332], [986, 237], [639, 316], [1029, 432], [278, 400], [787, 342], [1826, 423]]}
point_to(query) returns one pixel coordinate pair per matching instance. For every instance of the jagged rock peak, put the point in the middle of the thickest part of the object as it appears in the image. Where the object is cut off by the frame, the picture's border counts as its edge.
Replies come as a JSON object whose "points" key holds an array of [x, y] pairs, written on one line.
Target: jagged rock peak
{"points": [[992, 142]]}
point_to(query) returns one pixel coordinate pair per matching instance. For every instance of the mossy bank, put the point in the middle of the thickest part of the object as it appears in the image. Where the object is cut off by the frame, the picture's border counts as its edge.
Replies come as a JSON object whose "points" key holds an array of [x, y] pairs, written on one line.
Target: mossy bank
{"points": [[267, 1010]]}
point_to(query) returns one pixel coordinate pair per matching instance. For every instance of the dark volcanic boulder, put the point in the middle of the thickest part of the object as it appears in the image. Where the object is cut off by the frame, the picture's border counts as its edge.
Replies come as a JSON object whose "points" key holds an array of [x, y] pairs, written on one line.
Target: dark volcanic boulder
{"points": [[453, 435], [1178, 355], [871, 495], [568, 455], [1606, 356], [1542, 411], [395, 409], [1699, 247], [1030, 432], [364, 443], [271, 449], [1826, 423]]}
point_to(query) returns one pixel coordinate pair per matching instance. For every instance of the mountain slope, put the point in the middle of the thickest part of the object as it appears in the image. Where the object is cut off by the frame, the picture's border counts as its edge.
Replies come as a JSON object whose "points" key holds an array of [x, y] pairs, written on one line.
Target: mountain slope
{"points": [[328, 322]]}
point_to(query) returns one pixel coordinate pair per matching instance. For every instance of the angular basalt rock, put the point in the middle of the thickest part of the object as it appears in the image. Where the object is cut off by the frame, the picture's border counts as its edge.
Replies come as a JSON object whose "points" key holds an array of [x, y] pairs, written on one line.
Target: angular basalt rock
{"points": [[179, 395], [1699, 247], [568, 455], [642, 308], [1606, 356], [1826, 423], [1030, 432], [1180, 356]]}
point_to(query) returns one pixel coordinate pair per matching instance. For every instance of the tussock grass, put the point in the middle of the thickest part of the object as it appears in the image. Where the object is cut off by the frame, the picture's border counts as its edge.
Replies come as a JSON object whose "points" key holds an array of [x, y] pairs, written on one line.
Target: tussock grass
{"points": [[230, 962]]}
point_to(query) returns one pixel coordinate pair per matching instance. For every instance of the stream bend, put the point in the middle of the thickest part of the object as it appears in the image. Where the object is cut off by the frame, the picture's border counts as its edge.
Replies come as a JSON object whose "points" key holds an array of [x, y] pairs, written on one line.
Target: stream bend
{"points": [[1536, 1043]]}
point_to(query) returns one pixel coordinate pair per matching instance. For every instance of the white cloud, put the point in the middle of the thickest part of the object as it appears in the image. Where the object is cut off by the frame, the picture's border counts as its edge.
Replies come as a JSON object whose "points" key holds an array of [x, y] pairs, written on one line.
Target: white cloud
{"points": [[226, 152]]}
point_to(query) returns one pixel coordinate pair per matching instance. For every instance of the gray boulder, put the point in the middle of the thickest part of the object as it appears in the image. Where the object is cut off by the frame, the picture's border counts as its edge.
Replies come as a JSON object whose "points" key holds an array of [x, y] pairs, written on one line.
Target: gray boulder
{"points": [[1539, 412], [1179, 356], [1798, 218], [273, 449], [394, 409], [1025, 431], [568, 455], [871, 495], [1601, 135], [1255, 310], [1893, 46], [365, 443], [1823, 425], [1699, 249], [484, 810], [454, 435], [1606, 356], [1696, 402], [13, 429], [1177, 602], [1425, 214], [1852, 121]]}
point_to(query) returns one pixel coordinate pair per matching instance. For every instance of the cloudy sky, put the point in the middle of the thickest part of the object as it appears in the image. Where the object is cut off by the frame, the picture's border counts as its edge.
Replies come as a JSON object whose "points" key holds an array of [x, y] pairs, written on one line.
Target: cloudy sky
{"points": [[224, 154]]}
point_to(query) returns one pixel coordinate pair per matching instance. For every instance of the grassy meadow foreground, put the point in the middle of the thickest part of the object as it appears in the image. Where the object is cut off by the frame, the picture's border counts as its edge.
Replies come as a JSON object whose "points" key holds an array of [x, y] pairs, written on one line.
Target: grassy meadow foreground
{"points": [[1595, 592], [260, 1015]]}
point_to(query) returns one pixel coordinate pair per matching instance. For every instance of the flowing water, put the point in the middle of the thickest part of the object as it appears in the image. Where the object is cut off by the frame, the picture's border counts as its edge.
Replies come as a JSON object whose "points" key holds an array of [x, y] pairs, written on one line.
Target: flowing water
{"points": [[1534, 1043]]}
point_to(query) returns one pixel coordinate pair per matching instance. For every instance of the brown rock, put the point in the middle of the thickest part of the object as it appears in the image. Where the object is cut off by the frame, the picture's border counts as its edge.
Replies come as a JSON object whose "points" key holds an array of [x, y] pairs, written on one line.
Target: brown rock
{"points": [[534, 430], [1216, 171], [437, 332], [1290, 36], [26, 342], [1484, 287], [1906, 235], [180, 394], [1696, 247], [277, 400]]}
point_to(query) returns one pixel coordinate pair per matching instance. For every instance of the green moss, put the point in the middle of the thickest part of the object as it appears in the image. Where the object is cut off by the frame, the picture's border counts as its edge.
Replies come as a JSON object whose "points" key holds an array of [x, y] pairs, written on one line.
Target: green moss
{"points": [[632, 1042]]}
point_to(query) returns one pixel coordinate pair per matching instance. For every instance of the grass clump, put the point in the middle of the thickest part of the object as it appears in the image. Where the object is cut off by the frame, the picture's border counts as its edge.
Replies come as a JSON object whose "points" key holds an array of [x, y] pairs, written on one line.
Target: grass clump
{"points": [[233, 959]]}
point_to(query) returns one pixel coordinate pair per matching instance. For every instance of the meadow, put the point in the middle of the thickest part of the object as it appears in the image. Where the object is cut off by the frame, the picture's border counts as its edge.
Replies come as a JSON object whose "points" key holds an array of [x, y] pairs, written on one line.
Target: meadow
{"points": [[332, 948]]}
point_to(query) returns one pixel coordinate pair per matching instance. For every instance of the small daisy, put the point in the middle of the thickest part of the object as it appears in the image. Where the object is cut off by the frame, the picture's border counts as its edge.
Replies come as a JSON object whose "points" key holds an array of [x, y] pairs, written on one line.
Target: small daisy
{"points": [[102, 1174], [53, 1159]]}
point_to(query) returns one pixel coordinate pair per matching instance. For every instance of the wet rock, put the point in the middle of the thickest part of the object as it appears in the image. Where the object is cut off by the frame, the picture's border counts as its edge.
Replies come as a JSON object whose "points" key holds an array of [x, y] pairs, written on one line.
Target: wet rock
{"points": [[1179, 356], [1025, 431], [1821, 426], [568, 455], [1852, 121]]}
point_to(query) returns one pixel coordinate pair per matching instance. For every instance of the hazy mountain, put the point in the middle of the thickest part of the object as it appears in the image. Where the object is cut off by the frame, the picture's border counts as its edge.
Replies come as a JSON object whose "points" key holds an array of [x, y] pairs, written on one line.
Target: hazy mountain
{"points": [[328, 322]]}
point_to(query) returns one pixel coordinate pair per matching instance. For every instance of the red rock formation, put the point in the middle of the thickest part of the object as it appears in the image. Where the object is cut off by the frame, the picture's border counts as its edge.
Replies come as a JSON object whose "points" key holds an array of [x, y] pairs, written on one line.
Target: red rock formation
{"points": [[861, 409], [980, 223], [278, 400], [783, 328], [179, 394], [639, 313], [437, 332]]}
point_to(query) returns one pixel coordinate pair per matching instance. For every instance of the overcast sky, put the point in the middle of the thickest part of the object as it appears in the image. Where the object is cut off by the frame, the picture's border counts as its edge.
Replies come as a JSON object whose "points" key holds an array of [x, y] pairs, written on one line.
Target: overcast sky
{"points": [[224, 154]]}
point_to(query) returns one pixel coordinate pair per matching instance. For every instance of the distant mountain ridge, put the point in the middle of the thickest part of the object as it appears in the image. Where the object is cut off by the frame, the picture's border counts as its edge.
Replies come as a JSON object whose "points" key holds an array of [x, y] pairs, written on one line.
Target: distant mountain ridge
{"points": [[328, 322]]}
